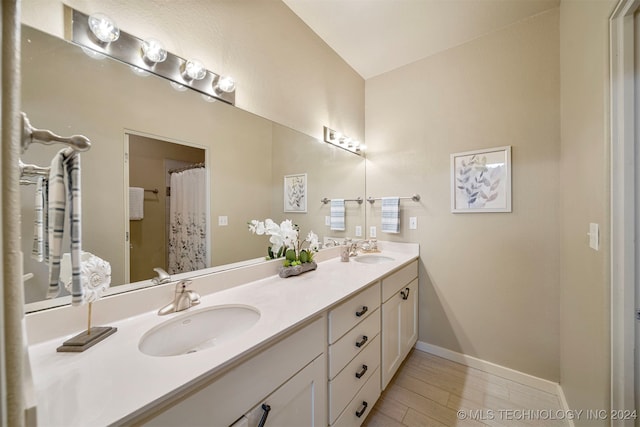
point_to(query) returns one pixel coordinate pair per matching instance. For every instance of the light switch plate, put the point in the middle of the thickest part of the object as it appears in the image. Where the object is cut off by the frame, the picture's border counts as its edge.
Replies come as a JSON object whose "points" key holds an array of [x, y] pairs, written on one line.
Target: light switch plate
{"points": [[327, 220], [594, 236], [413, 223], [223, 221], [372, 231], [358, 231]]}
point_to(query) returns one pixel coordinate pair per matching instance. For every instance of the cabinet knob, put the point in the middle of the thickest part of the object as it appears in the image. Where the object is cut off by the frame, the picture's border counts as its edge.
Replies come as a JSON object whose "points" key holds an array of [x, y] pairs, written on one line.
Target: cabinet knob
{"points": [[405, 293], [364, 408], [362, 372], [363, 311]]}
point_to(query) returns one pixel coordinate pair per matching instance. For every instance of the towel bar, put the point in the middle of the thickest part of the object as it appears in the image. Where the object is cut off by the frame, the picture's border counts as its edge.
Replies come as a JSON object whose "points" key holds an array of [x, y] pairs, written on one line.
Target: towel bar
{"points": [[359, 200], [415, 198]]}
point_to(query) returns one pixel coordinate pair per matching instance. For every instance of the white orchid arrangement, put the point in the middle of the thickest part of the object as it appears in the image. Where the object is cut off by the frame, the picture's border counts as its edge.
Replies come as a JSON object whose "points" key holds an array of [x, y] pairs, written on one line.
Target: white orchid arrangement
{"points": [[285, 241]]}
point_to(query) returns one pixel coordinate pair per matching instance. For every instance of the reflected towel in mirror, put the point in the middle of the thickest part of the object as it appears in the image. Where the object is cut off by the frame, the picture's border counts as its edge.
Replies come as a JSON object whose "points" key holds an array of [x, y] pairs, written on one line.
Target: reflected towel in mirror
{"points": [[337, 214], [136, 203]]}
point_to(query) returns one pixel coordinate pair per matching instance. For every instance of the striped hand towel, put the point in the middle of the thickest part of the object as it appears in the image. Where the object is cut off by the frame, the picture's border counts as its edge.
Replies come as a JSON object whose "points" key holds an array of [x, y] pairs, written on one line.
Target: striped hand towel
{"points": [[64, 187], [391, 214], [337, 214], [40, 251]]}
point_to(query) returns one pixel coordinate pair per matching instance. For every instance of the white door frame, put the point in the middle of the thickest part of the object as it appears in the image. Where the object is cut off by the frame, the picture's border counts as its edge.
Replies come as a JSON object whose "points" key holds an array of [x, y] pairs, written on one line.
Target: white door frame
{"points": [[623, 205]]}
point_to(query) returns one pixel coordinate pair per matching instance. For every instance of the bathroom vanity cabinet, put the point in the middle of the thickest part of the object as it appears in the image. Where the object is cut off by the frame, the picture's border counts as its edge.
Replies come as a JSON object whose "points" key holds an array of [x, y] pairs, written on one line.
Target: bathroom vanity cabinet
{"points": [[367, 337], [326, 345]]}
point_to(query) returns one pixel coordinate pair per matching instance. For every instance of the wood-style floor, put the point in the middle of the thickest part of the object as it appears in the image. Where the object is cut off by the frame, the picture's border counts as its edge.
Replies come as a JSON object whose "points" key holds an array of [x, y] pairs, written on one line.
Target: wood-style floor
{"points": [[430, 391]]}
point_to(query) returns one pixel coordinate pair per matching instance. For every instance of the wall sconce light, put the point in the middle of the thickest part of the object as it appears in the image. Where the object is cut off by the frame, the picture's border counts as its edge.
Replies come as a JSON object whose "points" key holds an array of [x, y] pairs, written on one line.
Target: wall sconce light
{"points": [[342, 141], [153, 51], [100, 34], [103, 28]]}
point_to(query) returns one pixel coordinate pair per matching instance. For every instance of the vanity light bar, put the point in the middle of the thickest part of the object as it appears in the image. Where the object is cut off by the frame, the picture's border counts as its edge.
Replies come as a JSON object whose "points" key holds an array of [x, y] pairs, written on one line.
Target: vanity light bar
{"points": [[128, 49], [342, 141]]}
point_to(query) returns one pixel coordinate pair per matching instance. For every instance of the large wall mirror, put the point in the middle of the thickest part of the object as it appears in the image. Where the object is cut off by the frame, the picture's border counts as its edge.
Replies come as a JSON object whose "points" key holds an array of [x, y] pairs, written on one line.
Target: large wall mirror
{"points": [[246, 159]]}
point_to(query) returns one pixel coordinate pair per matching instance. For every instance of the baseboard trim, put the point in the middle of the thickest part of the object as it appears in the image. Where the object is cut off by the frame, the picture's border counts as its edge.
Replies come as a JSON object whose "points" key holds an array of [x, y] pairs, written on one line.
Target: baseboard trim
{"points": [[493, 368]]}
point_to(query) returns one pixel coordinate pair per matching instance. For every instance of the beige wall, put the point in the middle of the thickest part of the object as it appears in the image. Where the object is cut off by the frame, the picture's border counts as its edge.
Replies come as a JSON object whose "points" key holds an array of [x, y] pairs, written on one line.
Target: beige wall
{"points": [[584, 303], [489, 282], [332, 172], [284, 71]]}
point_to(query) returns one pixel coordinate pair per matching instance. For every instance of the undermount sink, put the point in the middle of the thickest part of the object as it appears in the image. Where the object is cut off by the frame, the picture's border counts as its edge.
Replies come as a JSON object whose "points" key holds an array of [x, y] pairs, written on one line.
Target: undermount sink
{"points": [[373, 259], [198, 330]]}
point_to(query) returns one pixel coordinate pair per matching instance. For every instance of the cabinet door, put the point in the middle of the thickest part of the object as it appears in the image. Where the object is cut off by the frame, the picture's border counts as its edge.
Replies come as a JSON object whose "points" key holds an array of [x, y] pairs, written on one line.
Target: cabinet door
{"points": [[301, 401], [391, 333], [399, 329], [409, 318]]}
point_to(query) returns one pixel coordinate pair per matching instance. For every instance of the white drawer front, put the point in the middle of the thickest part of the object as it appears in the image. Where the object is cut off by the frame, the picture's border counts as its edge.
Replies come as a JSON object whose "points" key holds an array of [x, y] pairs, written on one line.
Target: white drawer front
{"points": [[344, 387], [351, 312], [361, 405], [399, 279], [354, 341]]}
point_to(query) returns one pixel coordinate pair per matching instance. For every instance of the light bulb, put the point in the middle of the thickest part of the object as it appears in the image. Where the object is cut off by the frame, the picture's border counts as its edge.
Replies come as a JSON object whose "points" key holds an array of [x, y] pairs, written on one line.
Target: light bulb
{"points": [[153, 51], [226, 84], [103, 28], [194, 70]]}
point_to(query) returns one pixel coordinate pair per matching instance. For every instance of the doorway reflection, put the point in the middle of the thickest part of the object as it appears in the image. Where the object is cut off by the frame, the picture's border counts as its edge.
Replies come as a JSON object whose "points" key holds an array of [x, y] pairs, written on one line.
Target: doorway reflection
{"points": [[150, 162]]}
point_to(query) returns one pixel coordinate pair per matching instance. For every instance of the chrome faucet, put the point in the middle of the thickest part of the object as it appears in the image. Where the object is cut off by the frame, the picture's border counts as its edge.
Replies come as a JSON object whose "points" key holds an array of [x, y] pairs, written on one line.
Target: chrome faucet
{"points": [[331, 243], [182, 300], [162, 278], [364, 245]]}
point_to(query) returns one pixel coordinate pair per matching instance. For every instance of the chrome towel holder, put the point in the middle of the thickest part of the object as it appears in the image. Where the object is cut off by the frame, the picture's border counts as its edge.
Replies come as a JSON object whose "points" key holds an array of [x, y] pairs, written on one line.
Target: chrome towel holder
{"points": [[415, 198]]}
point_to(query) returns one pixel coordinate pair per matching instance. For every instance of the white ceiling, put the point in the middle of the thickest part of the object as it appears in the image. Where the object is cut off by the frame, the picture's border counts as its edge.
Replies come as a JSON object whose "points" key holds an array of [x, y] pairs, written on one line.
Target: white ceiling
{"points": [[376, 36]]}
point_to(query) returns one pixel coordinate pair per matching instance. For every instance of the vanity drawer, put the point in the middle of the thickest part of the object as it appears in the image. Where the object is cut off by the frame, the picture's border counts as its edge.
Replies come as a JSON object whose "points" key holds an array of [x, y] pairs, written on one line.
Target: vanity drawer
{"points": [[351, 312], [346, 348], [359, 408], [346, 385], [399, 279]]}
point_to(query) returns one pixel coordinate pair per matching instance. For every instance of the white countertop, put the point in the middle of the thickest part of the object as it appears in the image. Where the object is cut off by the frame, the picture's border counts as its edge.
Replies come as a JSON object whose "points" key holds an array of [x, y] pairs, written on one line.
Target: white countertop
{"points": [[114, 381]]}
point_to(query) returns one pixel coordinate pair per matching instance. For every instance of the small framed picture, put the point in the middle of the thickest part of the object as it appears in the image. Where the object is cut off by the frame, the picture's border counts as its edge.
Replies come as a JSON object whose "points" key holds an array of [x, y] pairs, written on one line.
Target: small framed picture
{"points": [[481, 181], [295, 193]]}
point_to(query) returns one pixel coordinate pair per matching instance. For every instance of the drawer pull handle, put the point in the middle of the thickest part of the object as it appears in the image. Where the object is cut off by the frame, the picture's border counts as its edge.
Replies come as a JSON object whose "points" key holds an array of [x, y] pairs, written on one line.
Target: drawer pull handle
{"points": [[361, 373], [405, 295], [363, 311], [361, 343], [364, 408], [266, 408]]}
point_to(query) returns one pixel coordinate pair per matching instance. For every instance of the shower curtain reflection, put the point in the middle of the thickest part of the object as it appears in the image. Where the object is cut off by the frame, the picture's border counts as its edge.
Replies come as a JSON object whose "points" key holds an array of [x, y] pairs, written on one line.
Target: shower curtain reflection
{"points": [[188, 221]]}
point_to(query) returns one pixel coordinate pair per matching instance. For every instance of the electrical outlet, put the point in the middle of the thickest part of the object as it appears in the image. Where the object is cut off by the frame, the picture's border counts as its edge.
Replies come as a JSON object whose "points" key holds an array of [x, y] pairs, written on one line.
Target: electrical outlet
{"points": [[358, 231], [372, 231], [413, 223], [223, 221]]}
